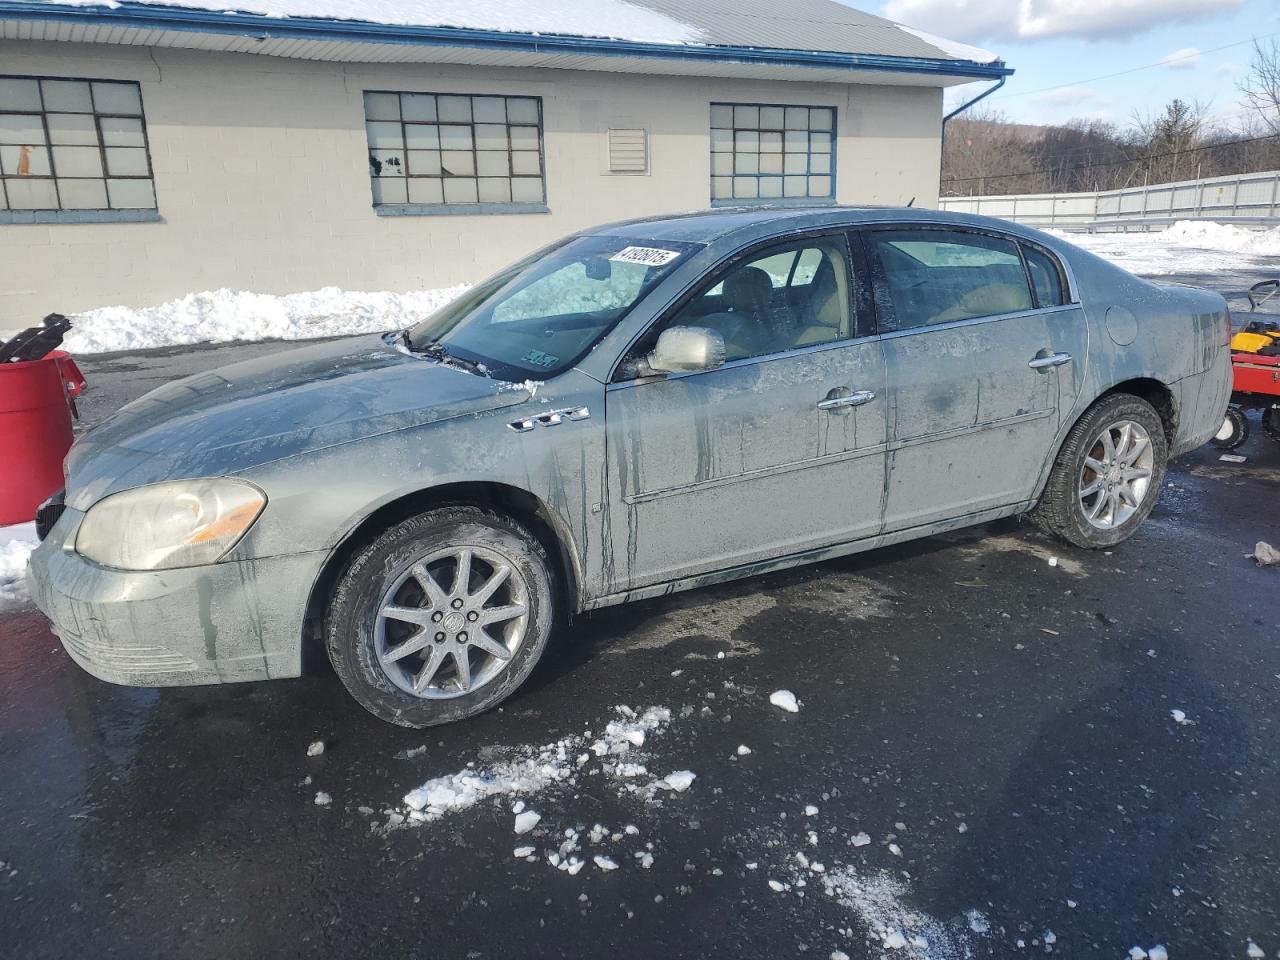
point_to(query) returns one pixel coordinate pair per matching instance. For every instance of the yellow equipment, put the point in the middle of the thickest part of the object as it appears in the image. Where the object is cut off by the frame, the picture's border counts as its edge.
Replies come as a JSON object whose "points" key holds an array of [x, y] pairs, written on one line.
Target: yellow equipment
{"points": [[1257, 337]]}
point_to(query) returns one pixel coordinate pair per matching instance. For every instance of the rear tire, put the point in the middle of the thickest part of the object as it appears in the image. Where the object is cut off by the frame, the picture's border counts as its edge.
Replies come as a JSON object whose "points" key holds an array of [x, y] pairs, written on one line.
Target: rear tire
{"points": [[442, 617], [1107, 477], [1235, 430], [1271, 422]]}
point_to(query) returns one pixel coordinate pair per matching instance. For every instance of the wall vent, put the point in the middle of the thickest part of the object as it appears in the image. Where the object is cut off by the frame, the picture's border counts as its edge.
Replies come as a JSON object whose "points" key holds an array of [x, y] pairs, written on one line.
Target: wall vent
{"points": [[628, 150]]}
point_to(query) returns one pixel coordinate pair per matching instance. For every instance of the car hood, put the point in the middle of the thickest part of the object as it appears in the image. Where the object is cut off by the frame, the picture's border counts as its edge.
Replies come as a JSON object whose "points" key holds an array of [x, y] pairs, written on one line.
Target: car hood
{"points": [[236, 417]]}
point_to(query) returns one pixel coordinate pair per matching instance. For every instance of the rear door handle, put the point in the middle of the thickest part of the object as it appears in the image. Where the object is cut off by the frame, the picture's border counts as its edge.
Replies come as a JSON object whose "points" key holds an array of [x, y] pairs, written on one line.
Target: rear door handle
{"points": [[1053, 360], [855, 399]]}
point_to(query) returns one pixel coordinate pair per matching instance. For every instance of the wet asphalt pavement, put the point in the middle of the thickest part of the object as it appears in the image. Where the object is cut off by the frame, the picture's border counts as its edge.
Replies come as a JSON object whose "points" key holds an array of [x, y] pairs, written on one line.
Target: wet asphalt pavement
{"points": [[1001, 729]]}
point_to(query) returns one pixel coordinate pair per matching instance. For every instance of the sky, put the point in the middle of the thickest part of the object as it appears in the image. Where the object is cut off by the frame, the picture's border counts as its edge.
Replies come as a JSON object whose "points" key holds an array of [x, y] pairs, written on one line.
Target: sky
{"points": [[1064, 50]]}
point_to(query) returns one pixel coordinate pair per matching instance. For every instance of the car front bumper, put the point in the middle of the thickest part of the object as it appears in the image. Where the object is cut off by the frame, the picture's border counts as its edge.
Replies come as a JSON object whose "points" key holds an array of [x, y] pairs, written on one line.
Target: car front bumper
{"points": [[220, 623]]}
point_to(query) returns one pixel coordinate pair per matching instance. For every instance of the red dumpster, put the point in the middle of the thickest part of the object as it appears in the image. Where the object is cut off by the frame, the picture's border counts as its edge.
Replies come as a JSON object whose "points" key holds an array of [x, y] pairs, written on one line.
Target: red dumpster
{"points": [[35, 431]]}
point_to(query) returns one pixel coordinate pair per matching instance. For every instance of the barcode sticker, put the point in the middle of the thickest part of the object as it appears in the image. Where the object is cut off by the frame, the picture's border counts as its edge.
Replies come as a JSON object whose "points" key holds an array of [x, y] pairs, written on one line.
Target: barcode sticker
{"points": [[649, 256]]}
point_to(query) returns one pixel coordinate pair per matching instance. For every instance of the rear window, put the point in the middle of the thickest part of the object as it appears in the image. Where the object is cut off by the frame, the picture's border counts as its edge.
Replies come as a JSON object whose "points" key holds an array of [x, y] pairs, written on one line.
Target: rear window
{"points": [[941, 276], [1045, 277]]}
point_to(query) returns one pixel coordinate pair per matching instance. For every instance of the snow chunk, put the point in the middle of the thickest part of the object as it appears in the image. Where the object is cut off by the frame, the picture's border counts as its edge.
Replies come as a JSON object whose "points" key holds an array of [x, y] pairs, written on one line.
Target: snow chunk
{"points": [[810, 811], [977, 922], [777, 886], [323, 799], [894, 940], [860, 839], [530, 769], [315, 749], [521, 852], [743, 750], [16, 544], [1255, 952], [1180, 717], [605, 863], [785, 700], [839, 955], [526, 821], [1158, 952], [679, 781]]}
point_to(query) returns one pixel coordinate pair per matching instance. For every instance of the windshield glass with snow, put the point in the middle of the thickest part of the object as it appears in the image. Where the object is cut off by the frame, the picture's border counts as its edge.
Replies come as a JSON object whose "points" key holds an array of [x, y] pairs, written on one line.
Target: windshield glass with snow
{"points": [[540, 317]]}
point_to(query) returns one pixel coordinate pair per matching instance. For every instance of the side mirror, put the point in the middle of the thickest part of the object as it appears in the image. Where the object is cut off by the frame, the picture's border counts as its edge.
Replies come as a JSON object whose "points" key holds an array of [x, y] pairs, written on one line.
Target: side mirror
{"points": [[686, 350]]}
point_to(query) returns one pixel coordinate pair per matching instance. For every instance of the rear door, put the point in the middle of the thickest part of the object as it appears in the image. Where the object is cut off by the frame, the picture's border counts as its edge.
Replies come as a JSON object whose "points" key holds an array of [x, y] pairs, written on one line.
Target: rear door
{"points": [[981, 348], [779, 451]]}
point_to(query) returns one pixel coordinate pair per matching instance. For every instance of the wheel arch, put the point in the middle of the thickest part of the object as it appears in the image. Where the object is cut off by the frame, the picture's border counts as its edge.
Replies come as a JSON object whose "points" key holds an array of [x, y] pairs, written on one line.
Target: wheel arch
{"points": [[1153, 391], [520, 505]]}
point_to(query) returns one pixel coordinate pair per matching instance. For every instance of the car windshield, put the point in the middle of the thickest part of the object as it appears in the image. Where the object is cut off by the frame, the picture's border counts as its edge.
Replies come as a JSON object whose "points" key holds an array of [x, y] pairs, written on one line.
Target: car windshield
{"points": [[539, 317]]}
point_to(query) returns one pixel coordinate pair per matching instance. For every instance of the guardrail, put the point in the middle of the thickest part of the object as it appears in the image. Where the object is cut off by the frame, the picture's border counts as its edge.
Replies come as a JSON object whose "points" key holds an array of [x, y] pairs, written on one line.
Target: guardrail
{"points": [[1249, 200]]}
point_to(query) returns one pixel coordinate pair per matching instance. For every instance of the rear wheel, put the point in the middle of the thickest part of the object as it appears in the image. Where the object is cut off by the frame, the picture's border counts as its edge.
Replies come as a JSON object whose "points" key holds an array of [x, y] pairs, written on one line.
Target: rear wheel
{"points": [[1235, 430], [1106, 478], [1271, 422], [442, 617]]}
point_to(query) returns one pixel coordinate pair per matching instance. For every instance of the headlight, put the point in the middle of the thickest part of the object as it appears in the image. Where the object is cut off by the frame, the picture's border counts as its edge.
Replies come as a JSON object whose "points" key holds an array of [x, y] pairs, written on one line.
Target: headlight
{"points": [[183, 524]]}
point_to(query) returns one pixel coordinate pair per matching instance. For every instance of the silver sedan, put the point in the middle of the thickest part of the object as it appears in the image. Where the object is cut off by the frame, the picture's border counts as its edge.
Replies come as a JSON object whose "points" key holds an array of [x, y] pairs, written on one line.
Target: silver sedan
{"points": [[640, 408]]}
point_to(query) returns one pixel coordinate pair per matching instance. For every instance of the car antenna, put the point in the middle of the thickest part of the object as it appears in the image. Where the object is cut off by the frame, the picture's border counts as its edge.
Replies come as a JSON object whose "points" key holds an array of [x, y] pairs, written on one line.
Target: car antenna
{"points": [[911, 202]]}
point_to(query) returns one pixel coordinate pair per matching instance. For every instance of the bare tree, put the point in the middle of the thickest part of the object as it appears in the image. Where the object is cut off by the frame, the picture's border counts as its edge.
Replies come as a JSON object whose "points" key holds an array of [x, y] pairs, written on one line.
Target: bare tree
{"points": [[1261, 88]]}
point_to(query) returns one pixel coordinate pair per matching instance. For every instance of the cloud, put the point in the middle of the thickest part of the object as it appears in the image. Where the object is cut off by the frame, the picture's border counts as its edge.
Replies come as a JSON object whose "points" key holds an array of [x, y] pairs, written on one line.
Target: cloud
{"points": [[1229, 69], [1184, 59], [983, 21]]}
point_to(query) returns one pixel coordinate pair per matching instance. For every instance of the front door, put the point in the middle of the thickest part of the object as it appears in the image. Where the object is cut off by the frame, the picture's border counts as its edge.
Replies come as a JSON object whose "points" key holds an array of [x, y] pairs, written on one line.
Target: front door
{"points": [[778, 452], [981, 350]]}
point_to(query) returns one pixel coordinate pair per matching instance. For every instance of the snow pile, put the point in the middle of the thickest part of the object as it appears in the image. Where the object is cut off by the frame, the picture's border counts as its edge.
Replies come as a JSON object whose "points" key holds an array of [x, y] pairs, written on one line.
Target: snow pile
{"points": [[16, 544], [1186, 247], [784, 700], [219, 316], [952, 48], [877, 901], [534, 769], [611, 19]]}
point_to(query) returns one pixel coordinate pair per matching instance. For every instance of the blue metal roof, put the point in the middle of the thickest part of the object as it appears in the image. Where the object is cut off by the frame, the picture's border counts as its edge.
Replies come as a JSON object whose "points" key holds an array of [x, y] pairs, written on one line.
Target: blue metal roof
{"points": [[128, 14]]}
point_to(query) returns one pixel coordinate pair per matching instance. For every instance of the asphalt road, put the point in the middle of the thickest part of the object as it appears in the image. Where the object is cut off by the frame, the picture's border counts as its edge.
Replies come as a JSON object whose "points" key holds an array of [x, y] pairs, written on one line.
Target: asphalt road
{"points": [[1001, 729]]}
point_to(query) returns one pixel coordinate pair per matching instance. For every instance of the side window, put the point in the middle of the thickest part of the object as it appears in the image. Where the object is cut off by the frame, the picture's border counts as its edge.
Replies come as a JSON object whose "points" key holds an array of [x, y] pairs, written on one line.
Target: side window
{"points": [[940, 276], [778, 300], [1045, 277]]}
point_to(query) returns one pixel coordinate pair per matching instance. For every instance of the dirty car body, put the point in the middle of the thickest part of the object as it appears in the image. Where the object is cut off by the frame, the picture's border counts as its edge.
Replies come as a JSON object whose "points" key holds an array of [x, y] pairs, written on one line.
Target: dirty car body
{"points": [[883, 374]]}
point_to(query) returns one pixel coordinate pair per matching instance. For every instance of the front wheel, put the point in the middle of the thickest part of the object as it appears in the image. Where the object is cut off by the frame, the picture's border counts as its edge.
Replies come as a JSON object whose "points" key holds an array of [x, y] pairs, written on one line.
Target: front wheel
{"points": [[1234, 430], [1271, 422], [442, 617], [1106, 478]]}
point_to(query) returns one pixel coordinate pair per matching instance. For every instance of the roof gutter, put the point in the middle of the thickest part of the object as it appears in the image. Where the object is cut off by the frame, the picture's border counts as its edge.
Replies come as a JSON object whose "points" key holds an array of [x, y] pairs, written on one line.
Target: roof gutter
{"points": [[154, 17], [969, 103]]}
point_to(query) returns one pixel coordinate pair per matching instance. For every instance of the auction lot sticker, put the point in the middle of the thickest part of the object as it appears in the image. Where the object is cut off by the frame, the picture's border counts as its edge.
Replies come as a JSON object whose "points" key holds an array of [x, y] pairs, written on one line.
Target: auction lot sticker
{"points": [[649, 256]]}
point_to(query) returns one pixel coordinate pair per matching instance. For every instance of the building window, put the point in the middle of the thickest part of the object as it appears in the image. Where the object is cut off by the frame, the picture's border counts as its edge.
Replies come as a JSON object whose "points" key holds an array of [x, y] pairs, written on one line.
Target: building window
{"points": [[73, 146], [772, 152], [446, 153]]}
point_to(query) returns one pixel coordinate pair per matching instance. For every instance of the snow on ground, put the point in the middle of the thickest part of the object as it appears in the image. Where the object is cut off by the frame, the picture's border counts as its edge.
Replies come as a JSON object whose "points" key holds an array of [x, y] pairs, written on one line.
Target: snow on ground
{"points": [[612, 19], [16, 544], [532, 770], [1189, 246], [217, 316]]}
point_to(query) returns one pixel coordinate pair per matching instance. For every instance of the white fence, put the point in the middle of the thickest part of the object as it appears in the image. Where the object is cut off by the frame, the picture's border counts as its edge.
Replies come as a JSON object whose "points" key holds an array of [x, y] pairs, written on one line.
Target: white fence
{"points": [[1250, 200]]}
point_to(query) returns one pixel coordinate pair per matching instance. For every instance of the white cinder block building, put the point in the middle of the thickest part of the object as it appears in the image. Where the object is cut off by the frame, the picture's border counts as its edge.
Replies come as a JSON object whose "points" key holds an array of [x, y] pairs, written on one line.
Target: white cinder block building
{"points": [[150, 150]]}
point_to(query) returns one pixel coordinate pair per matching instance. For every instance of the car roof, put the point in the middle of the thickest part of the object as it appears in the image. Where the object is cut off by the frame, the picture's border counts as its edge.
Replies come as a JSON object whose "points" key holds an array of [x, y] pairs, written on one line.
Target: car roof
{"points": [[729, 223]]}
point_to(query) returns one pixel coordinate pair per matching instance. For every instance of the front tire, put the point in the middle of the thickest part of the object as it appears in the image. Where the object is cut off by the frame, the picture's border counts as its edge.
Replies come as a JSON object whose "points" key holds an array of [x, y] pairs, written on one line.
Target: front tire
{"points": [[1106, 478], [1234, 430], [442, 617]]}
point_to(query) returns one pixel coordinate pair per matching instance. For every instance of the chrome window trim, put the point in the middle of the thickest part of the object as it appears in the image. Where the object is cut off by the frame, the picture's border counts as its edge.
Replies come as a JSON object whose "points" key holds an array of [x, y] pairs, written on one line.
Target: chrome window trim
{"points": [[975, 321], [745, 361]]}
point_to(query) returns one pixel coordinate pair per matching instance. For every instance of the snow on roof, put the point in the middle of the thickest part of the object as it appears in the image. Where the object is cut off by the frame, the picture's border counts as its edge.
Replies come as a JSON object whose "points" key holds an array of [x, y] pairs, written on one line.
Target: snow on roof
{"points": [[952, 48], [802, 25], [611, 19]]}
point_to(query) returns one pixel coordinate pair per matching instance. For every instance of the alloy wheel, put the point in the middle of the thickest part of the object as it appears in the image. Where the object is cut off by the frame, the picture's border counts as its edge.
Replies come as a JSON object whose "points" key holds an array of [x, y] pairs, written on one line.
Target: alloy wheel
{"points": [[450, 622], [1116, 475]]}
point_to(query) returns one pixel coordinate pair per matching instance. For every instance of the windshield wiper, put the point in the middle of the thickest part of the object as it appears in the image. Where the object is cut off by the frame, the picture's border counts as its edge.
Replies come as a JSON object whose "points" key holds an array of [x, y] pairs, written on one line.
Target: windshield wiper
{"points": [[437, 351]]}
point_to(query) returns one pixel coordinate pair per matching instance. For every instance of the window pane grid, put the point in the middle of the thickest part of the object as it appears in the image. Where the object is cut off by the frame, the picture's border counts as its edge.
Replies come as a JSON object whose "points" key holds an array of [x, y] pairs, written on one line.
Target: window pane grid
{"points": [[73, 144], [772, 151], [454, 149]]}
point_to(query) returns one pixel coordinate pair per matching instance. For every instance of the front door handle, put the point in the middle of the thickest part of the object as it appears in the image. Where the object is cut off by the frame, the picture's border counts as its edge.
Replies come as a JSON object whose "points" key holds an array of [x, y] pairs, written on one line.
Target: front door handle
{"points": [[1053, 360], [836, 399]]}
